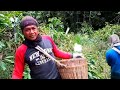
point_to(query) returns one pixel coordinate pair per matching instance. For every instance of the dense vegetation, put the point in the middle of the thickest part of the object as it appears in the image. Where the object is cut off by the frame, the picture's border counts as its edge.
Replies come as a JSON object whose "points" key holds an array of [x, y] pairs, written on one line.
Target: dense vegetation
{"points": [[92, 37]]}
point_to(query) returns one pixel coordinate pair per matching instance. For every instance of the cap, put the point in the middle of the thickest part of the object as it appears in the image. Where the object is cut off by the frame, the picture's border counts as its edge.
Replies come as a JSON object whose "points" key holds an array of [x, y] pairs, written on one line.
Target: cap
{"points": [[28, 20]]}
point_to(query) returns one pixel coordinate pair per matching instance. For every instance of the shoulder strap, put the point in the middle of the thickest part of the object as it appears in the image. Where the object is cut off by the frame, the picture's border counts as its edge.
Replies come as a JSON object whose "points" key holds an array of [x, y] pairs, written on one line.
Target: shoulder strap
{"points": [[117, 50]]}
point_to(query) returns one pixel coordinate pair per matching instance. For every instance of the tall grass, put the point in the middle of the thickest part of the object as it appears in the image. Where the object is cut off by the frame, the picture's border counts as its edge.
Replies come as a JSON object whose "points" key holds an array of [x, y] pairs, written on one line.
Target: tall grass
{"points": [[94, 47]]}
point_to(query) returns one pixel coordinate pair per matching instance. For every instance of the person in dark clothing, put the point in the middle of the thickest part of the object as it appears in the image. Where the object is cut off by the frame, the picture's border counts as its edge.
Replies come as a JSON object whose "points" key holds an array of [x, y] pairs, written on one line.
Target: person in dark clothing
{"points": [[113, 56], [41, 67]]}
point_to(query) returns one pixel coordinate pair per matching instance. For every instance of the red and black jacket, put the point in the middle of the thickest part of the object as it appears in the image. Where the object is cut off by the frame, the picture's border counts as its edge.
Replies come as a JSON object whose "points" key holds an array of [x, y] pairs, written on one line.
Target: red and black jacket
{"points": [[41, 67]]}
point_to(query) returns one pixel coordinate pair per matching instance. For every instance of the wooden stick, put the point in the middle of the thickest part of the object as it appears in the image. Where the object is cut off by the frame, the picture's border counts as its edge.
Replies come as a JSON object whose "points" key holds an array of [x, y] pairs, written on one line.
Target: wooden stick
{"points": [[49, 56]]}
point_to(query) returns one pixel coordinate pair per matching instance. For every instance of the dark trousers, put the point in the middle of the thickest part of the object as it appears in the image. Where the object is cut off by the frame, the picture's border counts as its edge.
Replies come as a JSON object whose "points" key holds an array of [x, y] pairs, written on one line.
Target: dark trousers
{"points": [[115, 75]]}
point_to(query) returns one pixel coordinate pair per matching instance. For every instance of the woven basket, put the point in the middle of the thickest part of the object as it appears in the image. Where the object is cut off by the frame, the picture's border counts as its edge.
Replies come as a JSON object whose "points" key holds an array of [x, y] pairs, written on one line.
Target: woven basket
{"points": [[76, 69]]}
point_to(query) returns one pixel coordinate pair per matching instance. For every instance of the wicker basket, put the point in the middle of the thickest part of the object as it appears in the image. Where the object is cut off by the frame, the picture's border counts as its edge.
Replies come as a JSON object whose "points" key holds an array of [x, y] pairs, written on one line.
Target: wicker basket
{"points": [[76, 69]]}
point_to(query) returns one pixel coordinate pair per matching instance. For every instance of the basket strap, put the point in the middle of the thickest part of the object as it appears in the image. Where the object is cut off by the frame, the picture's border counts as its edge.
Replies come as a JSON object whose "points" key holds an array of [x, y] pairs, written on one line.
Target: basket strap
{"points": [[117, 50], [48, 55]]}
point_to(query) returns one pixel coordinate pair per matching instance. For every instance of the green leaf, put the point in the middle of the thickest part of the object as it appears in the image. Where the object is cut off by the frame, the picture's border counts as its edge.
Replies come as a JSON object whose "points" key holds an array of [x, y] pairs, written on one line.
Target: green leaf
{"points": [[3, 65], [9, 45], [9, 57], [10, 61]]}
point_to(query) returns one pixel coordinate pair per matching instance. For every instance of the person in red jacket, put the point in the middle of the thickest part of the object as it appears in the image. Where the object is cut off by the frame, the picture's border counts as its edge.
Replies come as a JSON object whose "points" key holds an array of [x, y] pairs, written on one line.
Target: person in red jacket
{"points": [[41, 67]]}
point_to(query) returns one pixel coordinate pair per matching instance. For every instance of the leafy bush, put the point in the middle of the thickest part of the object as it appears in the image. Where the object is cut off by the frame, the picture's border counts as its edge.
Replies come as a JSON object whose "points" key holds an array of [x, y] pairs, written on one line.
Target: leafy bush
{"points": [[94, 46]]}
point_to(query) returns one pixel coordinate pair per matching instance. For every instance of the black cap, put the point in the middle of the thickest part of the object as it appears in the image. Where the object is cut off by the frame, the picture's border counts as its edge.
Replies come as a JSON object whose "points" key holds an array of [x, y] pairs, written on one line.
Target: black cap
{"points": [[28, 20]]}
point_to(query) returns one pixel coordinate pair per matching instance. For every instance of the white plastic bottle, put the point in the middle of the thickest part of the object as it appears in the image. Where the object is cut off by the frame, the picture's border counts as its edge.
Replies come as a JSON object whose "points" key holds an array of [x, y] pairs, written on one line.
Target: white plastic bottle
{"points": [[77, 50]]}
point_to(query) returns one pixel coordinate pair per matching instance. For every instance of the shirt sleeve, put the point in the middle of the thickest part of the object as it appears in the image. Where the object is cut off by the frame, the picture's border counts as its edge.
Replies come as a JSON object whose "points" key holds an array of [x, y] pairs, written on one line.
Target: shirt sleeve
{"points": [[19, 64], [59, 53]]}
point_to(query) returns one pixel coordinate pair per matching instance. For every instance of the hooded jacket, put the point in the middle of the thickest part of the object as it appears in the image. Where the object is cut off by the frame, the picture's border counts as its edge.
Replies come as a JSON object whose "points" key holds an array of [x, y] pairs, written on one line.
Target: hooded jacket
{"points": [[113, 60]]}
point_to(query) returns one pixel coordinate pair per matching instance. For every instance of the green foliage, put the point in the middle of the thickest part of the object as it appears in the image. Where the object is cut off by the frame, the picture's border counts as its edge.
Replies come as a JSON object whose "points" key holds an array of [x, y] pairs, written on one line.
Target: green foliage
{"points": [[94, 44], [9, 59], [86, 28], [100, 45], [55, 24], [74, 19], [8, 41], [4, 21], [104, 33], [26, 73], [93, 50], [3, 65], [2, 45]]}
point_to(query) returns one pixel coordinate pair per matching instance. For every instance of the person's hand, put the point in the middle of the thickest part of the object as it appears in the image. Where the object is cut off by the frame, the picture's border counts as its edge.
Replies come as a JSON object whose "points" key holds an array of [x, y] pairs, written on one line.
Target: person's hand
{"points": [[78, 55]]}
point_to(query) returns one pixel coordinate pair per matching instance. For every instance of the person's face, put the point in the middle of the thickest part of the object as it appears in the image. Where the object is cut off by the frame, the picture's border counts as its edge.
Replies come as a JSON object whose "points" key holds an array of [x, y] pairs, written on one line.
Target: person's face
{"points": [[31, 32]]}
